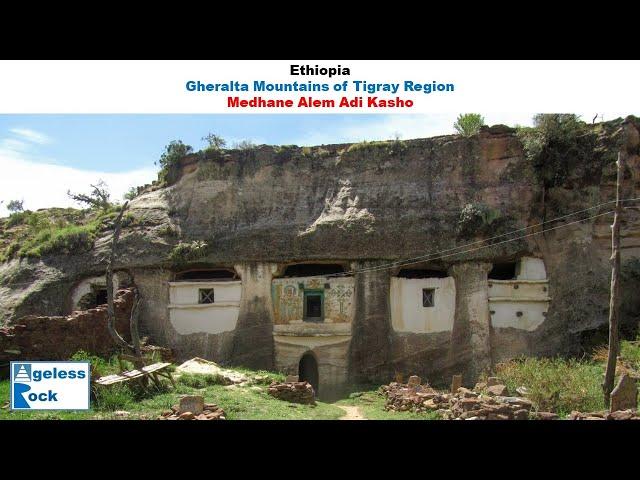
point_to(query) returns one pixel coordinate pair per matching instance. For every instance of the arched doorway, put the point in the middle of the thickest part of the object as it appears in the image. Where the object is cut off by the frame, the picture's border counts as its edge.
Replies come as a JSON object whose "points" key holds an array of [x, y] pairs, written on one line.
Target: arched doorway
{"points": [[308, 371]]}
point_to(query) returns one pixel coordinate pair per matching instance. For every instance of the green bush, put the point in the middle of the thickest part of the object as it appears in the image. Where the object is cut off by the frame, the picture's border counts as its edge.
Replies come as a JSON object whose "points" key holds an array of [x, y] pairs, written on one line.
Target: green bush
{"points": [[170, 161], [375, 150], [477, 219], [187, 251], [215, 143], [99, 365], [244, 145], [630, 353], [468, 124], [114, 397], [168, 230], [558, 145], [18, 218], [555, 384]]}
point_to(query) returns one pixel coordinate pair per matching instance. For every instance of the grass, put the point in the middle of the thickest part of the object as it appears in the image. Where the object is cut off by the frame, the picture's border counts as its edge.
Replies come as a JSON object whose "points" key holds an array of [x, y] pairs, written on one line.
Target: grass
{"points": [[239, 403], [562, 385], [249, 402], [555, 384], [371, 405], [52, 231]]}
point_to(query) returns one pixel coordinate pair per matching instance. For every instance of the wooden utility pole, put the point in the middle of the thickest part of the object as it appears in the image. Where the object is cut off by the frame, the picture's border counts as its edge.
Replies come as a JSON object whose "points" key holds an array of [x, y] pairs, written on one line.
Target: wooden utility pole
{"points": [[614, 301]]}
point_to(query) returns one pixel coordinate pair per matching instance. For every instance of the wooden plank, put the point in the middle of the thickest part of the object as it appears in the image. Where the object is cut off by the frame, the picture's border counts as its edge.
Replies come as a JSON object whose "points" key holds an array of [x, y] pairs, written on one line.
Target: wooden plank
{"points": [[132, 374]]}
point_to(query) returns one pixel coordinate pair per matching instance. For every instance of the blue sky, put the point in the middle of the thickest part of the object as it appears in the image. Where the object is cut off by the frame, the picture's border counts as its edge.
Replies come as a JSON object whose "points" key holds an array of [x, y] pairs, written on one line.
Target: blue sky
{"points": [[44, 155]]}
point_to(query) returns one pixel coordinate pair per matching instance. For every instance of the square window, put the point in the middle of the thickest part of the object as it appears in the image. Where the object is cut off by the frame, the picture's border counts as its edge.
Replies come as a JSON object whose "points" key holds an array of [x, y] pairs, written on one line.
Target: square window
{"points": [[428, 296], [313, 308], [205, 295]]}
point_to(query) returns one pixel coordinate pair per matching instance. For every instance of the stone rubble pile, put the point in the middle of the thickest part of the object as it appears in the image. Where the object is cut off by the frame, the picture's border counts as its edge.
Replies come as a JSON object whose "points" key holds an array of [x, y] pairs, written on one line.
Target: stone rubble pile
{"points": [[192, 407], [296, 392], [617, 415], [487, 401]]}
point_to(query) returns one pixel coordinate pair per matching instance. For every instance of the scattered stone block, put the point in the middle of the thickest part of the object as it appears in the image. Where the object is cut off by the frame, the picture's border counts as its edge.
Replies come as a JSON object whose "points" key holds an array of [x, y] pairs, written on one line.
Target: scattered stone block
{"points": [[522, 414], [210, 412], [296, 392], [192, 403], [466, 393], [414, 381], [497, 390], [622, 415], [491, 381], [625, 395], [544, 416], [456, 383]]}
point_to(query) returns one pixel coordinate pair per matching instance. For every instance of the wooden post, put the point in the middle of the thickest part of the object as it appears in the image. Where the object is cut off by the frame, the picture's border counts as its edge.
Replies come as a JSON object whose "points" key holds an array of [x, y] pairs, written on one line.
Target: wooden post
{"points": [[614, 301]]}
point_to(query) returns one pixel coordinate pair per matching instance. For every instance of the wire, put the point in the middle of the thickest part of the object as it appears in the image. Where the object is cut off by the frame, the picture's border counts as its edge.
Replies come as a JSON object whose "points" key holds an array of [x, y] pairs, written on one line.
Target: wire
{"points": [[424, 257], [410, 262], [421, 258]]}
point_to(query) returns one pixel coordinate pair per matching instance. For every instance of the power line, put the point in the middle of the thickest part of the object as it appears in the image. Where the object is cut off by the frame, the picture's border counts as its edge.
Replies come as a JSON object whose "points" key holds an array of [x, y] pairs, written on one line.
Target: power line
{"points": [[421, 258], [410, 262], [424, 257]]}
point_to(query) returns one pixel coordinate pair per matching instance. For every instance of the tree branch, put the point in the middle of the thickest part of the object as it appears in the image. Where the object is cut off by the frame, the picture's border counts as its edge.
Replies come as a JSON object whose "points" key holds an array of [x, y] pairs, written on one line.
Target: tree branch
{"points": [[117, 338]]}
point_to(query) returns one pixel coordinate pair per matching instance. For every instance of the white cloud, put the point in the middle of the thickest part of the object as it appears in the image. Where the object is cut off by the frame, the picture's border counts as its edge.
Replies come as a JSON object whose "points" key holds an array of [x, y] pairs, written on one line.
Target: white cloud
{"points": [[44, 185], [12, 145], [31, 135]]}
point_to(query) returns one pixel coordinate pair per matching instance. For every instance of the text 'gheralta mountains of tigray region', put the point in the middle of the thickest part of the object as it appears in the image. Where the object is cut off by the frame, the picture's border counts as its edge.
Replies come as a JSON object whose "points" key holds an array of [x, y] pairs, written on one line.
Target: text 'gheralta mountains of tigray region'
{"points": [[358, 94]]}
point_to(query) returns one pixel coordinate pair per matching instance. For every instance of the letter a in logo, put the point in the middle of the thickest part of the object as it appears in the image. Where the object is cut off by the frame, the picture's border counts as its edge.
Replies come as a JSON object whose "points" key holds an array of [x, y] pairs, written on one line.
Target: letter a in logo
{"points": [[21, 375]]}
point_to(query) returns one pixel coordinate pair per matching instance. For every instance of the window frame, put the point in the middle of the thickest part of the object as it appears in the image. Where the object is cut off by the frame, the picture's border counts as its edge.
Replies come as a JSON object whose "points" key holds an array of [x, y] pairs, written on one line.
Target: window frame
{"points": [[314, 293], [208, 296], [432, 292]]}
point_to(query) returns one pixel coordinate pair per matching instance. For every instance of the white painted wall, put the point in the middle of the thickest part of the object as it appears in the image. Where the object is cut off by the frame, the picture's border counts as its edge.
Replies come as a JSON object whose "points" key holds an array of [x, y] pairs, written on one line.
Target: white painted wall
{"points": [[519, 289], [532, 269], [188, 316], [407, 312], [186, 293], [528, 294], [505, 314]]}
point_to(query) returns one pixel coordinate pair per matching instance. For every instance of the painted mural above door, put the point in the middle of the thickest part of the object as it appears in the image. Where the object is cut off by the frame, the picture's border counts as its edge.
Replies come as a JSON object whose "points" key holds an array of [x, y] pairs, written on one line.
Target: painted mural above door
{"points": [[336, 294]]}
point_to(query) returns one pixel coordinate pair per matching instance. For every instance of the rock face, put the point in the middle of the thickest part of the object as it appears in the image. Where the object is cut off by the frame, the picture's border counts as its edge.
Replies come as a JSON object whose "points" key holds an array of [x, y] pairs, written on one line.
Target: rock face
{"points": [[365, 207], [57, 338]]}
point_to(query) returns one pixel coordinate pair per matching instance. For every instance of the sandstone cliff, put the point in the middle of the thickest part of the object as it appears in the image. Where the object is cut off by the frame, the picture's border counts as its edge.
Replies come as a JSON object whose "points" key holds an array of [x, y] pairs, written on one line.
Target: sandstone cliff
{"points": [[371, 204]]}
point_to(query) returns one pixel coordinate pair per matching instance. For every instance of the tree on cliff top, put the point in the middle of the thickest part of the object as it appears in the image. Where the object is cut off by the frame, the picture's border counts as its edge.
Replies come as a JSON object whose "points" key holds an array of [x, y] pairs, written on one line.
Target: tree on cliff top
{"points": [[468, 124], [215, 142], [15, 206], [98, 198], [170, 160]]}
